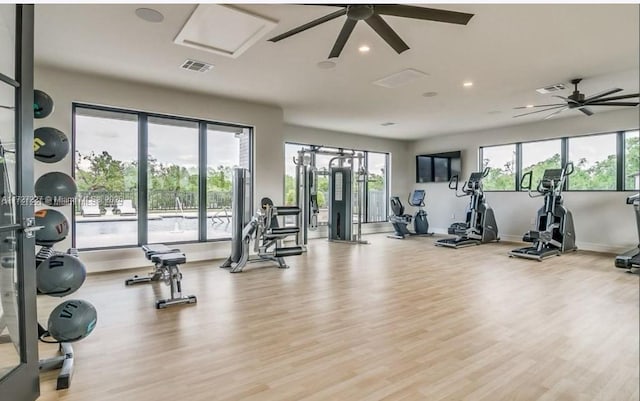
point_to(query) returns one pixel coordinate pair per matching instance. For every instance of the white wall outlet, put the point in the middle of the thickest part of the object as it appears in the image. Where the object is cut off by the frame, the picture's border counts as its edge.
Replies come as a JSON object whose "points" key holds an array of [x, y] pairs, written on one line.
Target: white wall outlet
{"points": [[453, 215], [533, 221]]}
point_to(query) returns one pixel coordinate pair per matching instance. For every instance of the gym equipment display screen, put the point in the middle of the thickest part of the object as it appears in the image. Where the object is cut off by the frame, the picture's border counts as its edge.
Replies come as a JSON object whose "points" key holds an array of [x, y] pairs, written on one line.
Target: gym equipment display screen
{"points": [[437, 167]]}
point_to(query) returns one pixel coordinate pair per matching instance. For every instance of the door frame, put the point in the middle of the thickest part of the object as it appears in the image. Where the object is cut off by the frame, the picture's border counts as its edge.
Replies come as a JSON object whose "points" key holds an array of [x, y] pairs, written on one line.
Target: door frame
{"points": [[23, 383]]}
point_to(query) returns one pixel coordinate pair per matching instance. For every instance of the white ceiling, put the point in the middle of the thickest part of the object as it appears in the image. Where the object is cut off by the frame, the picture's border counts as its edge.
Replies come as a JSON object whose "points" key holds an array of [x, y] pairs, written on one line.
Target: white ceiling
{"points": [[506, 50]]}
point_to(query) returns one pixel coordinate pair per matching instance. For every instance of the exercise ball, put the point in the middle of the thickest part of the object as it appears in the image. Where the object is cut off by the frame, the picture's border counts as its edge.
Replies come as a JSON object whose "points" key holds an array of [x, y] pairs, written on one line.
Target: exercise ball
{"points": [[72, 320], [60, 275], [55, 227], [42, 104], [56, 189], [50, 145]]}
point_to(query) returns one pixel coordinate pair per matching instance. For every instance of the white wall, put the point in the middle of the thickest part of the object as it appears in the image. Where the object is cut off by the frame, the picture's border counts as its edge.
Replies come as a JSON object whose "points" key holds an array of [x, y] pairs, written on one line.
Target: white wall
{"points": [[603, 221], [270, 133]]}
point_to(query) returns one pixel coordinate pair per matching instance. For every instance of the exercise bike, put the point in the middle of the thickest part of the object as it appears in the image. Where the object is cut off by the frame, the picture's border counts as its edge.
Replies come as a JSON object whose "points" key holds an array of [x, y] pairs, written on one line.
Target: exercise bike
{"points": [[631, 259], [480, 225], [400, 220], [554, 233]]}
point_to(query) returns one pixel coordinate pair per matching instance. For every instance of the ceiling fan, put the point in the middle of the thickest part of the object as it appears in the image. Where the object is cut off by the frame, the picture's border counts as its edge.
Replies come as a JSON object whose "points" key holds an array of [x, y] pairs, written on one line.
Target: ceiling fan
{"points": [[371, 14], [577, 100]]}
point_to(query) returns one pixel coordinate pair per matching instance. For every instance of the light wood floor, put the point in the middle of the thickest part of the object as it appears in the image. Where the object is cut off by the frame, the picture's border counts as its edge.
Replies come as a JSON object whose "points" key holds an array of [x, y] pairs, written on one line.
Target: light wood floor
{"points": [[393, 320]]}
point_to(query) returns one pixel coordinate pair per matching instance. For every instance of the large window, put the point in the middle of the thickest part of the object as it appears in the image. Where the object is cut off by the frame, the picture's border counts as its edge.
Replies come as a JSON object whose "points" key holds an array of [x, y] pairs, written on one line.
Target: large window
{"points": [[187, 181], [227, 147], [595, 162], [502, 163], [602, 162], [631, 160], [106, 173], [376, 191], [172, 180], [539, 156], [377, 186]]}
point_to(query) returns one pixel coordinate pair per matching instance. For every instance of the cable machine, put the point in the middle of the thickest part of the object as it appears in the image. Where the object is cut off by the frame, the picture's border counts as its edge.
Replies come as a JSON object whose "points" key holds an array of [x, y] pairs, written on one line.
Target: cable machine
{"points": [[345, 168]]}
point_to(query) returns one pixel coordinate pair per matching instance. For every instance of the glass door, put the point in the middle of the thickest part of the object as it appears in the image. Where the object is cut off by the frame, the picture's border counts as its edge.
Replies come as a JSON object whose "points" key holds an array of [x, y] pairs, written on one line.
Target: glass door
{"points": [[18, 328]]}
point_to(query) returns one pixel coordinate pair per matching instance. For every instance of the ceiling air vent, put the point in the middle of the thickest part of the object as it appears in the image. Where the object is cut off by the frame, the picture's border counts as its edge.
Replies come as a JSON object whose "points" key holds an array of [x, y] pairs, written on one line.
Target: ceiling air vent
{"points": [[198, 66], [400, 78], [551, 88]]}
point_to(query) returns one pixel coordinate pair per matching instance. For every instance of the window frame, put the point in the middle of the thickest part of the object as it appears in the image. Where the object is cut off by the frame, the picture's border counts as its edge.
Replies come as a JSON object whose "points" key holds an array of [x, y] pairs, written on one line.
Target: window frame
{"points": [[142, 160], [518, 164], [564, 157]]}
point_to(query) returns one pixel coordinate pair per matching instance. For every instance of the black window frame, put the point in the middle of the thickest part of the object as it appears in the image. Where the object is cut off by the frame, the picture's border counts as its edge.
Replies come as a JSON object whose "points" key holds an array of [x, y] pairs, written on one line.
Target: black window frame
{"points": [[564, 157], [143, 139]]}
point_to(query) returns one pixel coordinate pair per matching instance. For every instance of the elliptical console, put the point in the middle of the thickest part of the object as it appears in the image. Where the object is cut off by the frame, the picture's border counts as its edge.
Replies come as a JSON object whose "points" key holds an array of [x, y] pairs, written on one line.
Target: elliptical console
{"points": [[480, 225], [554, 233]]}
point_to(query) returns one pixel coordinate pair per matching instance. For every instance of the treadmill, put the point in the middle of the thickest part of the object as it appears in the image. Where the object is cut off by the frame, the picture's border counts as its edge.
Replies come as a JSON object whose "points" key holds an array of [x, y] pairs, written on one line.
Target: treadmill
{"points": [[631, 259]]}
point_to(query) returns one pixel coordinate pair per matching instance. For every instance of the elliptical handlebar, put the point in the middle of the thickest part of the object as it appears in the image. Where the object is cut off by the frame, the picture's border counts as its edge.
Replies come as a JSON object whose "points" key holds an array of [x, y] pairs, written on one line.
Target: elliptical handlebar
{"points": [[454, 179]]}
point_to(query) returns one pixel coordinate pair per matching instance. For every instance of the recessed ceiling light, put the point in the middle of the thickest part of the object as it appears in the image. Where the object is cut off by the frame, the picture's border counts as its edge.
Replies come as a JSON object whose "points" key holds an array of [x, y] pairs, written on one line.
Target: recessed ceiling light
{"points": [[467, 84], [430, 94], [387, 124], [149, 15], [326, 65], [364, 49], [529, 106]]}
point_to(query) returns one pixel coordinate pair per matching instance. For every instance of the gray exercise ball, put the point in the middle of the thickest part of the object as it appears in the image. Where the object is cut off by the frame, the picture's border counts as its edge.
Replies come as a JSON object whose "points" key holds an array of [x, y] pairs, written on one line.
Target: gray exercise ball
{"points": [[42, 104], [56, 189], [50, 145], [55, 227], [72, 320], [60, 275]]}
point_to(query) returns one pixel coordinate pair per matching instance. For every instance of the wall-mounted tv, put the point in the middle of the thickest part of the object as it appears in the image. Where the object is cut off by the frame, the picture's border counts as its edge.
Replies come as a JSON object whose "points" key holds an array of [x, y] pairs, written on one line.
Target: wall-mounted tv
{"points": [[437, 167]]}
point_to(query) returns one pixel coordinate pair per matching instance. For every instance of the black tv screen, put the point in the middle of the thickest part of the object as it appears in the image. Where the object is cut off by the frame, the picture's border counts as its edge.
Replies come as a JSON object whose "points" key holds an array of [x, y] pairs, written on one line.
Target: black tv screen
{"points": [[437, 167]]}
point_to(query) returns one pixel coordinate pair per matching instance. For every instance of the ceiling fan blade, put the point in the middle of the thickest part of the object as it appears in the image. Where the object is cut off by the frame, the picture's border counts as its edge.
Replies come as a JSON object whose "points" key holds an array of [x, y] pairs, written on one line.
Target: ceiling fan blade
{"points": [[556, 112], [602, 94], [384, 30], [586, 110], [431, 14], [540, 111], [309, 25], [345, 32], [614, 104], [539, 105], [630, 96]]}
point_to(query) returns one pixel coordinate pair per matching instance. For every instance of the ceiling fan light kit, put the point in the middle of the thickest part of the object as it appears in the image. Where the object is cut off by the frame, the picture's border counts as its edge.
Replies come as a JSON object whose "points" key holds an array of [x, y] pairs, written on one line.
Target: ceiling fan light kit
{"points": [[372, 15], [578, 100]]}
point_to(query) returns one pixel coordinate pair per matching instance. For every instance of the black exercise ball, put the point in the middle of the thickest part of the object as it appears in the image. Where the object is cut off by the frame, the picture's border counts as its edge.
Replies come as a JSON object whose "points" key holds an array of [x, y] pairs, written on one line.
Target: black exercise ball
{"points": [[72, 320], [42, 104], [56, 189], [55, 227], [50, 145], [60, 275]]}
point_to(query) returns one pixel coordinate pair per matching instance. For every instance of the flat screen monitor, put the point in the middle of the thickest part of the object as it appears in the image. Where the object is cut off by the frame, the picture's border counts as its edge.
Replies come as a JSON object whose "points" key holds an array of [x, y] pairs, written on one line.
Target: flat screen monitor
{"points": [[437, 167]]}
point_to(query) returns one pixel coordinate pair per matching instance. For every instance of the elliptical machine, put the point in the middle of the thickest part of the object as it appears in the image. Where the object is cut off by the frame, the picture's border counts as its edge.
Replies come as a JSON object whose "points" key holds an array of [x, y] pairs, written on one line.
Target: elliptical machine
{"points": [[480, 225], [400, 220], [631, 259], [554, 233]]}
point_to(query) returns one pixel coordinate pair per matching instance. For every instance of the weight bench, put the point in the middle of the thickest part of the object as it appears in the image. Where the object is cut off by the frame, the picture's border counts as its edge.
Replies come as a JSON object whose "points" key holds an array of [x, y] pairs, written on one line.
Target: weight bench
{"points": [[167, 263]]}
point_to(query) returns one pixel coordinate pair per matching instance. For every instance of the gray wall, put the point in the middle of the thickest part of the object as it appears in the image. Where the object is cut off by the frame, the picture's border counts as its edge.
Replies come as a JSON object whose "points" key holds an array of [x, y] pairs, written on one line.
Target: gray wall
{"points": [[603, 222]]}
